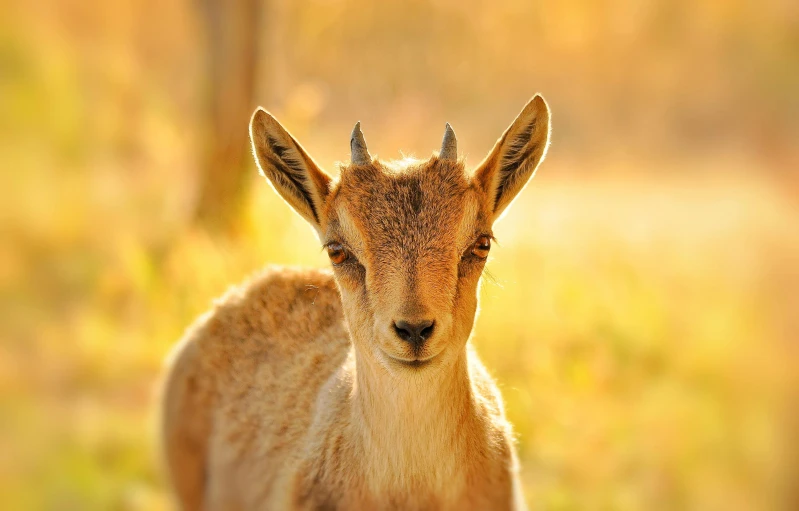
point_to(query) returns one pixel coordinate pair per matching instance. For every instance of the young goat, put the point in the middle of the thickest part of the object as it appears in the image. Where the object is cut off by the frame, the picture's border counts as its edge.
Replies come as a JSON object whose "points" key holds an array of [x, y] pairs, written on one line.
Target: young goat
{"points": [[356, 388]]}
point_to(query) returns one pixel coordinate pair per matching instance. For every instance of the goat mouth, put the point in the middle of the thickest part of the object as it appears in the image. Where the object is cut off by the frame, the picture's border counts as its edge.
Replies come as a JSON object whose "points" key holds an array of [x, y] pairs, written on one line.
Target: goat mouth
{"points": [[413, 363]]}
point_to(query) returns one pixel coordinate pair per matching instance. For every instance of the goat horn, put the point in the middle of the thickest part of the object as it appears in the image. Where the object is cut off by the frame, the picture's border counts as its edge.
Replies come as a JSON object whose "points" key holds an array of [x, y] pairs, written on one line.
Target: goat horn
{"points": [[360, 154], [449, 146]]}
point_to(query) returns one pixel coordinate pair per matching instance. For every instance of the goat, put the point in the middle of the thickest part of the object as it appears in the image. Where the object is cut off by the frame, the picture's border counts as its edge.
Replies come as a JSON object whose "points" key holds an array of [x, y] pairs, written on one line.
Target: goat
{"points": [[355, 387]]}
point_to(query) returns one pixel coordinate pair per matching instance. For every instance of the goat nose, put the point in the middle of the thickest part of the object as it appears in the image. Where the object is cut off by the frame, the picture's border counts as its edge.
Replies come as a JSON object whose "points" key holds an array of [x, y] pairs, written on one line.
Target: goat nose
{"points": [[415, 333]]}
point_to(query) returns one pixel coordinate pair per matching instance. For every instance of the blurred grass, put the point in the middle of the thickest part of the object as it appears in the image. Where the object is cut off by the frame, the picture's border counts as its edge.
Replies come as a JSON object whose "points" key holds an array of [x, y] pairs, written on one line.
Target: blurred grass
{"points": [[643, 314], [636, 329]]}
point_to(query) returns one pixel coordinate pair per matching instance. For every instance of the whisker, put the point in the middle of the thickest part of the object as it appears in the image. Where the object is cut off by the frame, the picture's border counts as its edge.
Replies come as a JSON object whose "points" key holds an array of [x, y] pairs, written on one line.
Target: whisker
{"points": [[489, 277]]}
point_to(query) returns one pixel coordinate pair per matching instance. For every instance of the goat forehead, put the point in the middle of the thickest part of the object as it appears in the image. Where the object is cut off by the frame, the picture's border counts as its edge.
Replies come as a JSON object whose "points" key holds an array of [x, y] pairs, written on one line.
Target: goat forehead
{"points": [[414, 210]]}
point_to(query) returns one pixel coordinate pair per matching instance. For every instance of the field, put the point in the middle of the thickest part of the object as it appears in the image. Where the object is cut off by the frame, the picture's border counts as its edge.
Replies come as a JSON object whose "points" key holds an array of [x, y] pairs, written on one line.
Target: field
{"points": [[641, 307], [641, 333]]}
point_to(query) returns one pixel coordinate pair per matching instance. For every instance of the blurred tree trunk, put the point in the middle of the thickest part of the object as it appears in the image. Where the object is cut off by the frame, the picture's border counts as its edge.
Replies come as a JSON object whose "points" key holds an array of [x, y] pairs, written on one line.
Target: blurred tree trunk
{"points": [[231, 29]]}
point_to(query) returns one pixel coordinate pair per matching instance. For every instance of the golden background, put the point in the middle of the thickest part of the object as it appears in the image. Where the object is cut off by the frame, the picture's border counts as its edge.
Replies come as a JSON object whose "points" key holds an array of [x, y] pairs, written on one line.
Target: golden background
{"points": [[643, 314]]}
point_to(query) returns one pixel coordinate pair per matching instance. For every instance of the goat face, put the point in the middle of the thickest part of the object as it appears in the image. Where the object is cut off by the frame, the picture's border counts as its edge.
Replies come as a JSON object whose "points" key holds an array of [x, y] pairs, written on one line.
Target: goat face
{"points": [[408, 239]]}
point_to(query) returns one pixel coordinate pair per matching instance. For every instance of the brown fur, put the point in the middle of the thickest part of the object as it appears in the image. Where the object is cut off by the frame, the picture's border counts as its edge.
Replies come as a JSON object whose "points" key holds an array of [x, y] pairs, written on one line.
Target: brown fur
{"points": [[295, 392]]}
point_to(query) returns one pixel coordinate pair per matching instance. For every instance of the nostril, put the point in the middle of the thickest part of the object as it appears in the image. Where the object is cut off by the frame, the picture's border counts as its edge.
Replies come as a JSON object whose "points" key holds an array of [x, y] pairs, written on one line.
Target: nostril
{"points": [[402, 330], [427, 330], [414, 332]]}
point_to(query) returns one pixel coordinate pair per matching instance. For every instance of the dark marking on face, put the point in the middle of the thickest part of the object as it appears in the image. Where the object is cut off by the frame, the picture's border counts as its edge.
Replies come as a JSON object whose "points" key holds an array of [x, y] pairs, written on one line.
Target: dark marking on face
{"points": [[415, 196]]}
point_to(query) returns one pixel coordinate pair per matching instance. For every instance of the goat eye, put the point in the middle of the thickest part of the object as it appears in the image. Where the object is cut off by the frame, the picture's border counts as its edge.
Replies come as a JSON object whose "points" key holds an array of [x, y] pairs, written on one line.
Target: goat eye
{"points": [[337, 253], [481, 247]]}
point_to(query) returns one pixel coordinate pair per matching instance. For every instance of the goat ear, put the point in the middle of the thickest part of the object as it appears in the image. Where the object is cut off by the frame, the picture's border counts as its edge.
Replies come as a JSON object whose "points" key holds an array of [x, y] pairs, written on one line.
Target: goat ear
{"points": [[293, 174], [515, 157]]}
